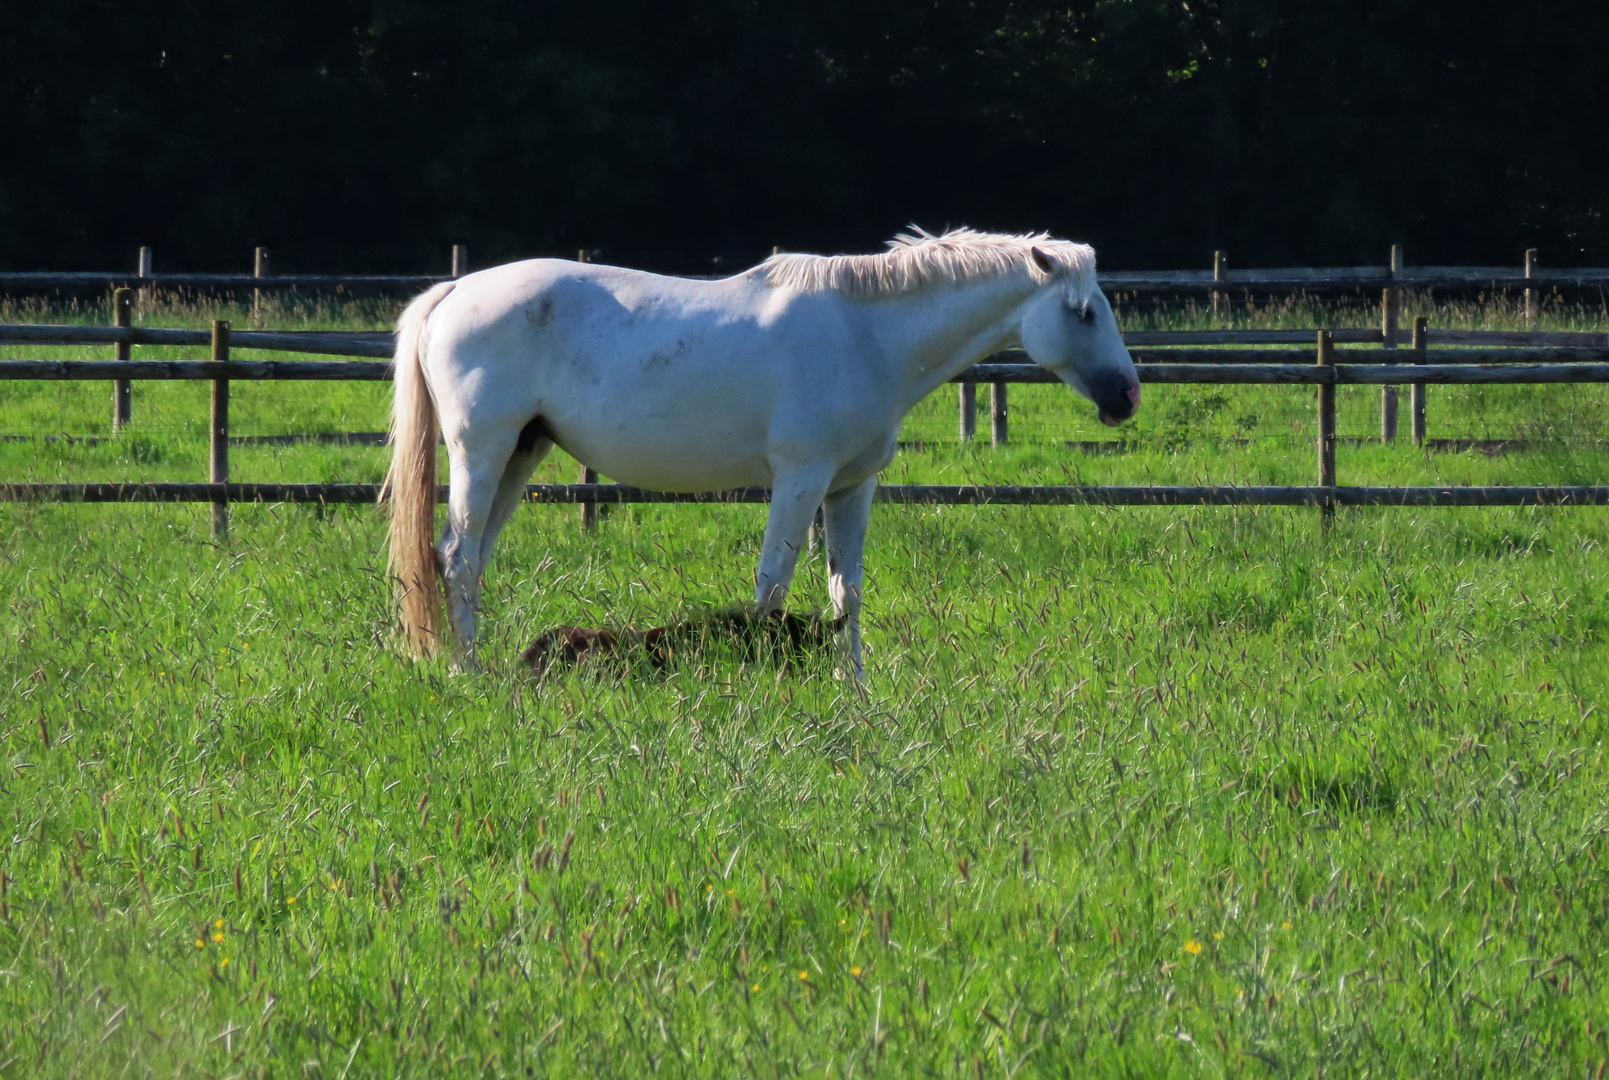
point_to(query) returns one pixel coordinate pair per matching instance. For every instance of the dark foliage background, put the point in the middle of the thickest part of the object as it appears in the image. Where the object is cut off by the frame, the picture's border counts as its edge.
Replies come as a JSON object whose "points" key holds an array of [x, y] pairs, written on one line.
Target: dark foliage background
{"points": [[371, 134]]}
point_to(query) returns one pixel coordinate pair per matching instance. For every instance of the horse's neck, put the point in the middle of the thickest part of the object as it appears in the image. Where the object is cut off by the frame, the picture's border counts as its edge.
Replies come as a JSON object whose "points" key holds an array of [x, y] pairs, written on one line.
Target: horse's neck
{"points": [[937, 333]]}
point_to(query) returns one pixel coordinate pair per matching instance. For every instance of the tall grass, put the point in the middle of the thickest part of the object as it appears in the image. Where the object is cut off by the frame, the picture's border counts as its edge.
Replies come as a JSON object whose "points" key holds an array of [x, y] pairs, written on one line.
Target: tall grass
{"points": [[1131, 792]]}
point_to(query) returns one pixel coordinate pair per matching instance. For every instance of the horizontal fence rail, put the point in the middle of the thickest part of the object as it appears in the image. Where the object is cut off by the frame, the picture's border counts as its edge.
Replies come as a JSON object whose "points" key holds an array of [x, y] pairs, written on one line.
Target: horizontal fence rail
{"points": [[221, 282], [1286, 280], [1090, 447], [1374, 374], [1205, 366], [1346, 278], [1468, 357], [378, 344], [326, 342], [197, 370], [907, 494]]}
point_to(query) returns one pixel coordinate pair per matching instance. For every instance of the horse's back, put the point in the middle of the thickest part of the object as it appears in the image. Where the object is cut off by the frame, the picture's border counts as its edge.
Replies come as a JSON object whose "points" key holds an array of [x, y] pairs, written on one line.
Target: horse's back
{"points": [[669, 382], [555, 303]]}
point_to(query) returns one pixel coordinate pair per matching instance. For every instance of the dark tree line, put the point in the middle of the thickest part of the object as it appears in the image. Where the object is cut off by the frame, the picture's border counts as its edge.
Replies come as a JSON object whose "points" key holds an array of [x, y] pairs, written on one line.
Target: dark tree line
{"points": [[370, 134]]}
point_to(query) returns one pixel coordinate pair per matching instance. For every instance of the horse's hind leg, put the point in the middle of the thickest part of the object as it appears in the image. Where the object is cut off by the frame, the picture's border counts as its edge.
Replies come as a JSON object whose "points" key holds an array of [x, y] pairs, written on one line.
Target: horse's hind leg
{"points": [[528, 454], [477, 472]]}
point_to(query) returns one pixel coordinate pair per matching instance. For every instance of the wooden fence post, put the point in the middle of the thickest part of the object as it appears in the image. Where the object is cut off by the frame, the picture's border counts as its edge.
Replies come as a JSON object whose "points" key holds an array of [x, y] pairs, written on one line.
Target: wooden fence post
{"points": [[460, 260], [143, 269], [218, 458], [259, 268], [1390, 317], [589, 510], [997, 414], [122, 389], [969, 410], [1530, 294], [1326, 429], [1218, 305], [1416, 394]]}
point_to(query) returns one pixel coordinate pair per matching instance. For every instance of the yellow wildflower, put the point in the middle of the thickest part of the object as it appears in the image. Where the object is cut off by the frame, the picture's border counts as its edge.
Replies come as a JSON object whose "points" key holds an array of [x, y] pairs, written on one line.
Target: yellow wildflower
{"points": [[217, 935], [292, 900], [200, 944], [218, 925], [855, 971], [1217, 935], [804, 975], [1193, 947], [1286, 925]]}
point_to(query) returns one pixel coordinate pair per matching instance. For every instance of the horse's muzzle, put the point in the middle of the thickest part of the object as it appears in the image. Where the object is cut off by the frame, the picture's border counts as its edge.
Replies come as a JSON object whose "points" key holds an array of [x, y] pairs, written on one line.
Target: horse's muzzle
{"points": [[1114, 408]]}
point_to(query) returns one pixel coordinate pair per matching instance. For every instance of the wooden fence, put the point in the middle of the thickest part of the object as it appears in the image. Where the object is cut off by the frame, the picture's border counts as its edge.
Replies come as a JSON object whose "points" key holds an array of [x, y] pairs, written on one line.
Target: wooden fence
{"points": [[1528, 358], [1219, 282]]}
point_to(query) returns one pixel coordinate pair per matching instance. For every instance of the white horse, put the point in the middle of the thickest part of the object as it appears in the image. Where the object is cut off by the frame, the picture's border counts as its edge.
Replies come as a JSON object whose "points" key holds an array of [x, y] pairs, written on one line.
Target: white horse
{"points": [[794, 375]]}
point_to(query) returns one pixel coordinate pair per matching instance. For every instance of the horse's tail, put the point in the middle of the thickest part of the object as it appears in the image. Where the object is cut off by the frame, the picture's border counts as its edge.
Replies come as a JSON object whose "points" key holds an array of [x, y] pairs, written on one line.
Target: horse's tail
{"points": [[411, 482]]}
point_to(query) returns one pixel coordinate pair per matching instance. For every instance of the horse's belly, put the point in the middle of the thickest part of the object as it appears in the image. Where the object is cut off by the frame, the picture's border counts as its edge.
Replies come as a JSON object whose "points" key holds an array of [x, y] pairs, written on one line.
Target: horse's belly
{"points": [[669, 472], [672, 446]]}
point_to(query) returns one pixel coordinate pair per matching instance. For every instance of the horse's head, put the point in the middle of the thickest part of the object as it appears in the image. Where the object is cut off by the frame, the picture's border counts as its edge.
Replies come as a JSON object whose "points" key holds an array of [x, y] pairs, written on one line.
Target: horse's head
{"points": [[1070, 331]]}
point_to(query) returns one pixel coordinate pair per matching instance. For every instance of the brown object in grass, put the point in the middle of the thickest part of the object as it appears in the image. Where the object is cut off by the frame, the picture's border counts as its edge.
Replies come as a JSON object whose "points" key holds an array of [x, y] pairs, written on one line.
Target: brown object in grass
{"points": [[785, 635]]}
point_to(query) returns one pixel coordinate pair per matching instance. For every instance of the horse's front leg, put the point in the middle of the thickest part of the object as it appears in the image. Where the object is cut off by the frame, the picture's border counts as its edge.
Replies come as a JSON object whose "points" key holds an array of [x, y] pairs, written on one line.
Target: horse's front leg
{"points": [[848, 515], [795, 494]]}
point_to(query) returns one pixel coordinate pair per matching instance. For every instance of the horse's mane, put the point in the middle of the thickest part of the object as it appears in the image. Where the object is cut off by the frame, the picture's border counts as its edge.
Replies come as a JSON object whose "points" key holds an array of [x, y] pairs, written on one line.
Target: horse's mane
{"points": [[918, 259]]}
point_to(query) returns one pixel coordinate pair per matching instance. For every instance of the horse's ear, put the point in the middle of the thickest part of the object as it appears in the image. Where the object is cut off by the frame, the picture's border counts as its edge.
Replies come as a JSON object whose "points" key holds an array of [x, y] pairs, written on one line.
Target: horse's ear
{"points": [[1043, 261]]}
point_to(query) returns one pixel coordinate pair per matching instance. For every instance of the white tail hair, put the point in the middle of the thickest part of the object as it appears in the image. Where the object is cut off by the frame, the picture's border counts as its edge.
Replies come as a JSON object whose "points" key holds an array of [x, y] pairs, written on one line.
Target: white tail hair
{"points": [[411, 482], [917, 259]]}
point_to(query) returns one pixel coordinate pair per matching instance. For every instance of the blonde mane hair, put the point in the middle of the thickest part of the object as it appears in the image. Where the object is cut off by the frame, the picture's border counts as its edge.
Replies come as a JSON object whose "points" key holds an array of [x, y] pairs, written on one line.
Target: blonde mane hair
{"points": [[918, 259]]}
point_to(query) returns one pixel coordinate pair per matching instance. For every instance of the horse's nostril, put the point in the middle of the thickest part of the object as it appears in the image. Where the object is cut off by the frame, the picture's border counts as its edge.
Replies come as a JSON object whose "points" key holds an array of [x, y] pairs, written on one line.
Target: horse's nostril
{"points": [[1134, 395]]}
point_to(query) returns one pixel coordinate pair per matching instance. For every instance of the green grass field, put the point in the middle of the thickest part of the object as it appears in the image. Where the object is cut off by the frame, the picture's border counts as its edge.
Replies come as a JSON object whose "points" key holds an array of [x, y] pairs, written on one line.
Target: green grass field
{"points": [[1131, 792]]}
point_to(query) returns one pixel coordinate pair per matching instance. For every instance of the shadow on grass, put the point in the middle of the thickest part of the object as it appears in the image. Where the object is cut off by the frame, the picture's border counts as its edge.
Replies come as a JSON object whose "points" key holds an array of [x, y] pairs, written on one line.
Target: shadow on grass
{"points": [[785, 639], [1343, 791]]}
